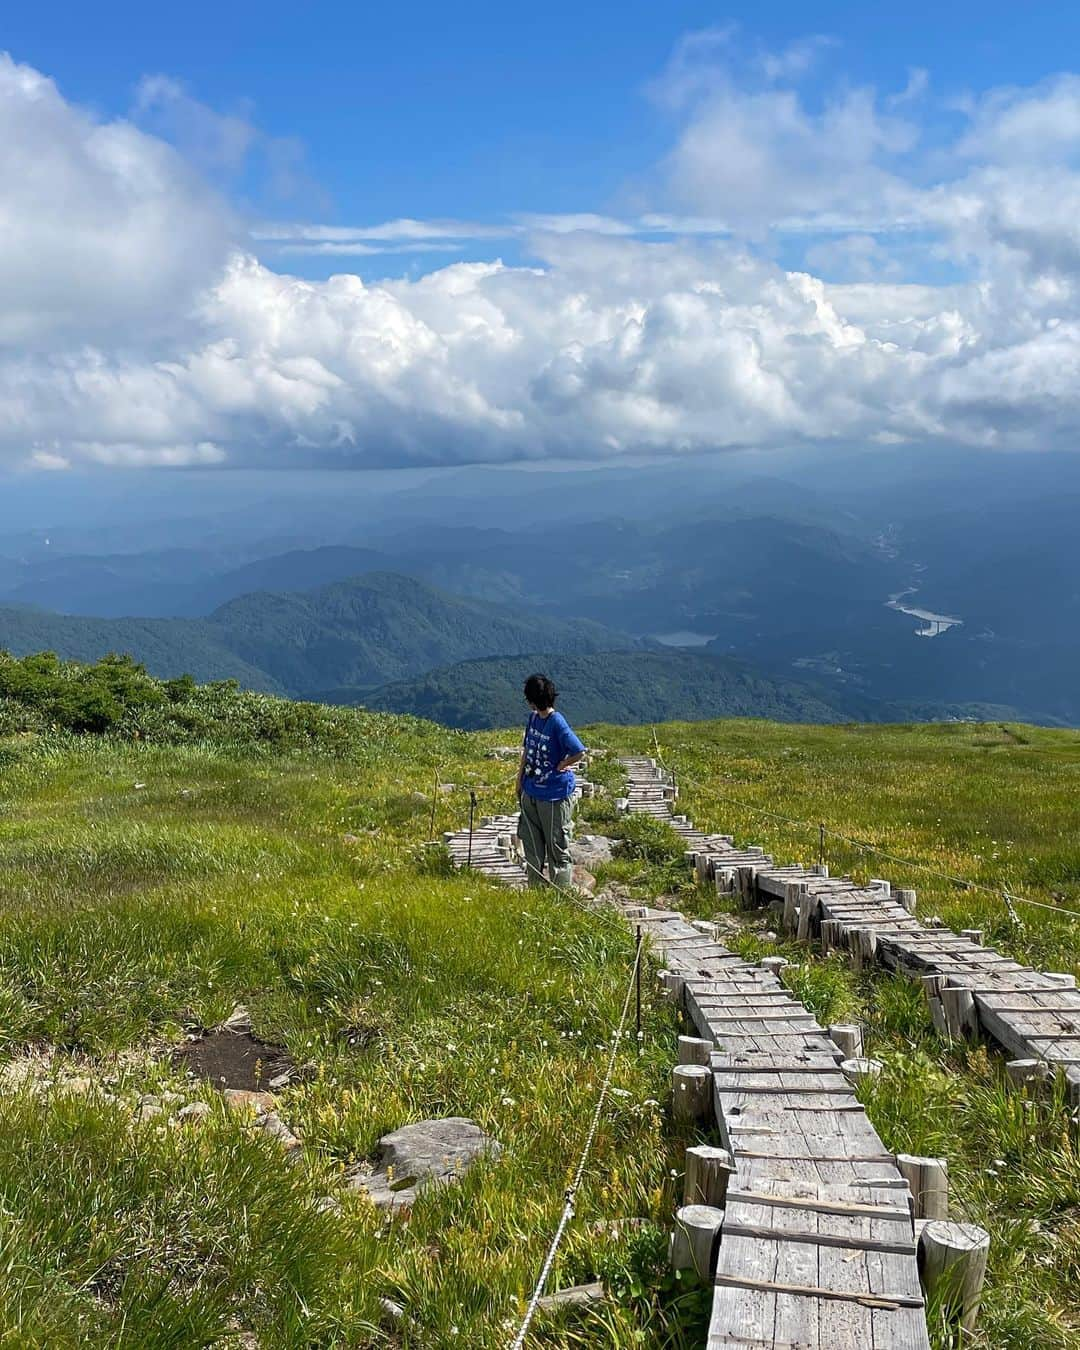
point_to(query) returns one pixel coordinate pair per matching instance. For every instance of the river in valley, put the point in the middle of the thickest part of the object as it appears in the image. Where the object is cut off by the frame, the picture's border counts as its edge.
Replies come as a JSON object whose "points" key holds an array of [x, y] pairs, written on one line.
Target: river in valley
{"points": [[933, 625]]}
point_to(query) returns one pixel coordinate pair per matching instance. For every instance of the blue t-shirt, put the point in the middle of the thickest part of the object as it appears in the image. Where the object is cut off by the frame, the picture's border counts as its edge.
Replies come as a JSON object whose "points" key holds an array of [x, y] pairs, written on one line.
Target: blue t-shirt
{"points": [[548, 740]]}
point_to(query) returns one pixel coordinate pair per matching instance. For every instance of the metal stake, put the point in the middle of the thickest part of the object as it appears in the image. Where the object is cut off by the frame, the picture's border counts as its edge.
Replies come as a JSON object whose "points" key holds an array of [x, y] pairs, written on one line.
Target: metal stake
{"points": [[434, 799], [637, 983], [821, 844]]}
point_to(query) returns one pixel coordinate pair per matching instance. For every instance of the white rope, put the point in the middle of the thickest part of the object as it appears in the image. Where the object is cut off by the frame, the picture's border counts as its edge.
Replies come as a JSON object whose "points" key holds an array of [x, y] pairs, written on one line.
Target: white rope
{"points": [[571, 1193]]}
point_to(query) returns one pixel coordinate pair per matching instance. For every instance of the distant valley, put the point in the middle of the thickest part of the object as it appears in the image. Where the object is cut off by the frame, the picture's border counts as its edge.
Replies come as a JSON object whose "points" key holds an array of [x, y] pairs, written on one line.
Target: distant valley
{"points": [[340, 592]]}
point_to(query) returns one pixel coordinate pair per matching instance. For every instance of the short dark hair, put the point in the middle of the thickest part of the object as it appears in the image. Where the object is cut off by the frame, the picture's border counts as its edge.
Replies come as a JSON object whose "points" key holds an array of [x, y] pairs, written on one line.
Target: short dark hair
{"points": [[540, 691]]}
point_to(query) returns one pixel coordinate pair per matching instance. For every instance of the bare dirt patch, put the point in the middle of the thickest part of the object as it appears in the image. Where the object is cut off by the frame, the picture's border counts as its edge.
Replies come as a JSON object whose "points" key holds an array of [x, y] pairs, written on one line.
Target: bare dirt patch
{"points": [[228, 1059]]}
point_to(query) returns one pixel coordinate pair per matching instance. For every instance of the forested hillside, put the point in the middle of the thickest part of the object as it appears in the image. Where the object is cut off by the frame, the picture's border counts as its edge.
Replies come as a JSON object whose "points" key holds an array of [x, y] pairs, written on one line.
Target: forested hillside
{"points": [[353, 635], [619, 687]]}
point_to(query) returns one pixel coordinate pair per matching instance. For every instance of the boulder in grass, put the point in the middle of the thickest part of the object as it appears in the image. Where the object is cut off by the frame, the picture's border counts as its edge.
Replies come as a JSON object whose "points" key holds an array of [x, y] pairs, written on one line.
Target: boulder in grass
{"points": [[238, 1021], [429, 1153], [591, 850]]}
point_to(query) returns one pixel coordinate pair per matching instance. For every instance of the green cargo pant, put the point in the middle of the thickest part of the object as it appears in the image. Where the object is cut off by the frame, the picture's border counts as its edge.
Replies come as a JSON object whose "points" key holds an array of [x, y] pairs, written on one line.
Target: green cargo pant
{"points": [[544, 829]]}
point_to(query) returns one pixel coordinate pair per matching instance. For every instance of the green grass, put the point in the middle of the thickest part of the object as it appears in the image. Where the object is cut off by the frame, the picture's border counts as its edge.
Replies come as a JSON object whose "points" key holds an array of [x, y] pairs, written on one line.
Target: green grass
{"points": [[295, 882], [222, 848]]}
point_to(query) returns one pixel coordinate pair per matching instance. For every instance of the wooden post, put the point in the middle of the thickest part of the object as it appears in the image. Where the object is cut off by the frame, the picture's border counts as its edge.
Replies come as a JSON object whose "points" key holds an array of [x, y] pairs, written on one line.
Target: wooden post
{"points": [[792, 897], [696, 1238], [708, 1171], [863, 944], [907, 899], [928, 1179], [973, 935], [830, 935], [848, 1038], [933, 985], [1021, 1071], [961, 1015], [694, 1050], [673, 986], [952, 1265], [808, 912], [692, 1097], [856, 1070]]}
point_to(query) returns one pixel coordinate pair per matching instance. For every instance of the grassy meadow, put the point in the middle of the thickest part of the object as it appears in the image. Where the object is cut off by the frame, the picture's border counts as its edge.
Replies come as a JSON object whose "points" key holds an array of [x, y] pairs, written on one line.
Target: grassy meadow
{"points": [[191, 849], [146, 889]]}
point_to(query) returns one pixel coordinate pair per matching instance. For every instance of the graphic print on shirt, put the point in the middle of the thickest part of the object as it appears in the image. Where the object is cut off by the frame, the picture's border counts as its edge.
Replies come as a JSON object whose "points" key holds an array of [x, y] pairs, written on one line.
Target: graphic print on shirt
{"points": [[539, 759]]}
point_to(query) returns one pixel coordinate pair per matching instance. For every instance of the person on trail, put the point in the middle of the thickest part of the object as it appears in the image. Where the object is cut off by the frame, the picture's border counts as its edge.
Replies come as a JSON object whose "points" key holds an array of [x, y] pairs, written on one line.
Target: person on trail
{"points": [[545, 785]]}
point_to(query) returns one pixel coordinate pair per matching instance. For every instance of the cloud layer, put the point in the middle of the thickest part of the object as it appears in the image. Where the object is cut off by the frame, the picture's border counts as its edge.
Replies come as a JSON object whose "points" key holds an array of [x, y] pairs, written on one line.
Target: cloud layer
{"points": [[138, 327]]}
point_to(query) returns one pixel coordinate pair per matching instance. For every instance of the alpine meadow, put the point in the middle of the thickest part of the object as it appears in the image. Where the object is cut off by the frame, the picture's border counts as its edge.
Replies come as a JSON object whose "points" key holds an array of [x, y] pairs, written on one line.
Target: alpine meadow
{"points": [[212, 848]]}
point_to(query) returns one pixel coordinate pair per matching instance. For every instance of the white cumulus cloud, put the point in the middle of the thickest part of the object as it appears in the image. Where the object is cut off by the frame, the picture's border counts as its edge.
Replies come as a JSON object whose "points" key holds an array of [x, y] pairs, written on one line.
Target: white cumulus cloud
{"points": [[927, 294]]}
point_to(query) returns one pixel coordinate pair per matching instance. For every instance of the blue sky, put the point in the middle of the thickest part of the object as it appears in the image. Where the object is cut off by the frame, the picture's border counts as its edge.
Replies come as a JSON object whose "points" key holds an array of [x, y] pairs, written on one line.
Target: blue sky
{"points": [[480, 110], [418, 235]]}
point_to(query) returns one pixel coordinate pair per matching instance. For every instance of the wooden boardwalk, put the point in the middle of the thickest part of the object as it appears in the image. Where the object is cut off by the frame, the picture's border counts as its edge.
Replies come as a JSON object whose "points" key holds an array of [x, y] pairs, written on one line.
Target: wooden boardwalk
{"points": [[817, 1247], [1033, 1015], [491, 849], [818, 1244]]}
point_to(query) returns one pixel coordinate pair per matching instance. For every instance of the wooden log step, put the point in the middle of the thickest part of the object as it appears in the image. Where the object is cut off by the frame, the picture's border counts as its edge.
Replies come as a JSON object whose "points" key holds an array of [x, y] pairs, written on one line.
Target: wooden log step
{"points": [[857, 1296], [851, 1242], [724, 1063], [842, 1088], [821, 1205]]}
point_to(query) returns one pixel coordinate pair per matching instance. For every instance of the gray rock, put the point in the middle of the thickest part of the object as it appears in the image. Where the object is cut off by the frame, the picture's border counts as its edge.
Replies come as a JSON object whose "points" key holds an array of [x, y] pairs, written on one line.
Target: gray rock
{"points": [[392, 1311], [238, 1021], [429, 1153], [275, 1128], [504, 752], [195, 1111], [591, 849], [580, 1295]]}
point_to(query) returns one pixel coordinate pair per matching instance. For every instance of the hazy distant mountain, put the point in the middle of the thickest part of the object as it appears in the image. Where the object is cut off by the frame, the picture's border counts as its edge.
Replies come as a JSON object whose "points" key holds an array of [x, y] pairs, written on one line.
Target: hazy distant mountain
{"points": [[622, 687]]}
